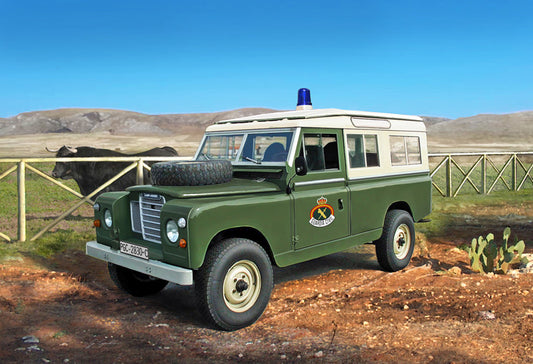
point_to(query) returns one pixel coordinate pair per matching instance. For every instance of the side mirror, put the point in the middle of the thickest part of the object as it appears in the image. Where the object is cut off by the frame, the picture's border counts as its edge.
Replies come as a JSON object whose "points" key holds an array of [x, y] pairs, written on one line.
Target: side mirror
{"points": [[301, 166]]}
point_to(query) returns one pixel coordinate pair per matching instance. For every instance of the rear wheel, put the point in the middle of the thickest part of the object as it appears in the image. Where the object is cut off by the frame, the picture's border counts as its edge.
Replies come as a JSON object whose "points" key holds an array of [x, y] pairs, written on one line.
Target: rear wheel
{"points": [[395, 246], [135, 283], [233, 286]]}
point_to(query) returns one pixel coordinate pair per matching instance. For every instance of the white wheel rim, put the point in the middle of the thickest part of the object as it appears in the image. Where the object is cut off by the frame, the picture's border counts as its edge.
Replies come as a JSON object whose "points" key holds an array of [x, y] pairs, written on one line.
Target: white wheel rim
{"points": [[402, 241], [242, 285]]}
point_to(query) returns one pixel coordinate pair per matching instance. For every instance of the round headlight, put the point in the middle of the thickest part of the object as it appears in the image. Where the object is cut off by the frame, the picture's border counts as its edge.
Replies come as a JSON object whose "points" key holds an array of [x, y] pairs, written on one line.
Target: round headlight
{"points": [[182, 223], [108, 219], [172, 231]]}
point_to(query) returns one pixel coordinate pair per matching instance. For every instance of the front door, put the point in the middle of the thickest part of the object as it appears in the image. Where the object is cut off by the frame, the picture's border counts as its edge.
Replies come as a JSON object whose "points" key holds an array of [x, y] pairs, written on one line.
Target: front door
{"points": [[320, 198]]}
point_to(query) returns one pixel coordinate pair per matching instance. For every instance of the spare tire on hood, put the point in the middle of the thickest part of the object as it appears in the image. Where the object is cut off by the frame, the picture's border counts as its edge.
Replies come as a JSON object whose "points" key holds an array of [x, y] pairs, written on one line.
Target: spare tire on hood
{"points": [[191, 173]]}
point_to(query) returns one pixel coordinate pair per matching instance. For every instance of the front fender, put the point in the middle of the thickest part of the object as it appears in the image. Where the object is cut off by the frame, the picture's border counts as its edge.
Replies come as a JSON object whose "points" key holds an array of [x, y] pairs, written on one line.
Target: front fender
{"points": [[269, 215]]}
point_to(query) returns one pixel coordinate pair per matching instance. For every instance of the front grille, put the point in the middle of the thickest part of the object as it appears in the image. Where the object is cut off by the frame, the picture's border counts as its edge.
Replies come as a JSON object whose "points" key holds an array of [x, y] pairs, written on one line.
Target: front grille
{"points": [[146, 216]]}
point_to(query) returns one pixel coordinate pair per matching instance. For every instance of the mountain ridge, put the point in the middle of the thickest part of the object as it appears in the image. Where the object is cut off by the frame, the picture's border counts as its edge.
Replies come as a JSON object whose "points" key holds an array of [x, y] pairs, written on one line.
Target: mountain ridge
{"points": [[515, 128]]}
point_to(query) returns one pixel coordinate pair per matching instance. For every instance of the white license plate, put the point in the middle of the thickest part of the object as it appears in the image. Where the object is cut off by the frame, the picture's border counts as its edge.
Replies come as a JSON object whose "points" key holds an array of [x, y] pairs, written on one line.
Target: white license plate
{"points": [[135, 250]]}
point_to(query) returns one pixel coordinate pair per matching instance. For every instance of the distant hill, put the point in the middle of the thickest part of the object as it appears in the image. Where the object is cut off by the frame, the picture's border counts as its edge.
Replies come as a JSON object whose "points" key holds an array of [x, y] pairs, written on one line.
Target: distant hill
{"points": [[115, 122], [485, 128], [481, 132], [431, 120]]}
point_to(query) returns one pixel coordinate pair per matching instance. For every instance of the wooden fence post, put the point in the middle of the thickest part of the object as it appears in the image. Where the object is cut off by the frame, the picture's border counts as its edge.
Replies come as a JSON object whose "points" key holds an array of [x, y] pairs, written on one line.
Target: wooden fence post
{"points": [[484, 175], [140, 172], [21, 182], [513, 173], [449, 187]]}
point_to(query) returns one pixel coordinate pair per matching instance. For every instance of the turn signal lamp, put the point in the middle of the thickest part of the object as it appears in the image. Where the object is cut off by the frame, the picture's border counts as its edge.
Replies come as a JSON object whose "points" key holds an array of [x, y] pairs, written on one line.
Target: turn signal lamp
{"points": [[304, 99], [97, 223], [183, 243]]}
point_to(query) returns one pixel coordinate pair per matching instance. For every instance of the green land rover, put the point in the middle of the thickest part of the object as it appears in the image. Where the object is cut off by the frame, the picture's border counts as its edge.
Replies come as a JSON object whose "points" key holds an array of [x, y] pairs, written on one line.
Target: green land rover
{"points": [[279, 188]]}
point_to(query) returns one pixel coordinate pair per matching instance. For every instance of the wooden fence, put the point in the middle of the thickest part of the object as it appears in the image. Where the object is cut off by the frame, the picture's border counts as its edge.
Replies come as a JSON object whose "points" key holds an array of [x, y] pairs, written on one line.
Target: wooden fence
{"points": [[20, 165], [480, 171]]}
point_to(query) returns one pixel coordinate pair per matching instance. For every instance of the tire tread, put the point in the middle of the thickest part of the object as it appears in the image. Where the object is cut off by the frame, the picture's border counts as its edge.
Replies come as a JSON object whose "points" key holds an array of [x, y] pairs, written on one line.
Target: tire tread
{"points": [[204, 280], [384, 250]]}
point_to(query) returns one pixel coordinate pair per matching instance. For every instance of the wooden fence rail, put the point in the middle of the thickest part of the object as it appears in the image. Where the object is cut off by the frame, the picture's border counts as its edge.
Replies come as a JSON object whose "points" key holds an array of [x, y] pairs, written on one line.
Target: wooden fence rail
{"points": [[518, 166], [21, 164], [514, 173]]}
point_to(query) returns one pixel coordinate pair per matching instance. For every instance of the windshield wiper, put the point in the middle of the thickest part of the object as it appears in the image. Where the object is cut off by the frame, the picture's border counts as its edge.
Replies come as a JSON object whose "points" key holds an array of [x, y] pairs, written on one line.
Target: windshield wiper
{"points": [[252, 160]]}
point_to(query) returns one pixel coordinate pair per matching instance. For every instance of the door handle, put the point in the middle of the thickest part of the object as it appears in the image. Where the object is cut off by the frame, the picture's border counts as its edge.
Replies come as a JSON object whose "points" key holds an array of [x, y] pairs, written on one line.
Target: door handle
{"points": [[341, 204]]}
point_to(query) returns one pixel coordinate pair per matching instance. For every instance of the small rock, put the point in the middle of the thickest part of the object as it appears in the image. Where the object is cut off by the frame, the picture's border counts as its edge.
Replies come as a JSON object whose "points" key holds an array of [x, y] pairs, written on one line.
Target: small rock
{"points": [[30, 340], [283, 357], [365, 323], [34, 348], [44, 360], [454, 271], [487, 315], [405, 307], [527, 267], [319, 354]]}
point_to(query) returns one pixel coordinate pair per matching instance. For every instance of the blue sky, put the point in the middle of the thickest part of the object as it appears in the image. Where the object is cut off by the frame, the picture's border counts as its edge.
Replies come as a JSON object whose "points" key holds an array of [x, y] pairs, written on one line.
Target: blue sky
{"points": [[440, 58]]}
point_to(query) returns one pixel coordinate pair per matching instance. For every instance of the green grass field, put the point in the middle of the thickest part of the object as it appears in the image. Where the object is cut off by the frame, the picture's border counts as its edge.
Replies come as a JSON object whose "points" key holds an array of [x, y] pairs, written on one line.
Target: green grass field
{"points": [[44, 202]]}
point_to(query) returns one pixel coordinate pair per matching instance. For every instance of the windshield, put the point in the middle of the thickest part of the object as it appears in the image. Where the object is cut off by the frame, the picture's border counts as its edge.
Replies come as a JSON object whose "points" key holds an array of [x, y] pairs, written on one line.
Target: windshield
{"points": [[253, 147]]}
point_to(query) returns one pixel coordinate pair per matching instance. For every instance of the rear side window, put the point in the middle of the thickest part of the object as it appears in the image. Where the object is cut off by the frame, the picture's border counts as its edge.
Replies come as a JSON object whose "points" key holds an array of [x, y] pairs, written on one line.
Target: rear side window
{"points": [[363, 150], [405, 150]]}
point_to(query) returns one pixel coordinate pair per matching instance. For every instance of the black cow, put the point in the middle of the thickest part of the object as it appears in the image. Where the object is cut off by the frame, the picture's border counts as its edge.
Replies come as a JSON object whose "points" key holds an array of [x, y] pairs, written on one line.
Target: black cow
{"points": [[91, 175]]}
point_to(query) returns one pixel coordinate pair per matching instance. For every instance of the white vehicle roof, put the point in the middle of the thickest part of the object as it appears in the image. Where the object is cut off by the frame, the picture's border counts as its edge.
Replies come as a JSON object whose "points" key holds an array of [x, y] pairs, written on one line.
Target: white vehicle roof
{"points": [[322, 118]]}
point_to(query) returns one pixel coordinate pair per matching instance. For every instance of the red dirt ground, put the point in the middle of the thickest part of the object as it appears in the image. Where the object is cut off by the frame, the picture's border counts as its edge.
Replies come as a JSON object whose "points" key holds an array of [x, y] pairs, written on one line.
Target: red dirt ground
{"points": [[341, 308]]}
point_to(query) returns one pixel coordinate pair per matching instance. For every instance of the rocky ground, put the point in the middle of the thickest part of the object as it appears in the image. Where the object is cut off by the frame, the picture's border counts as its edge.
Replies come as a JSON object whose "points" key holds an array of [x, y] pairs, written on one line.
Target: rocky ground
{"points": [[341, 308]]}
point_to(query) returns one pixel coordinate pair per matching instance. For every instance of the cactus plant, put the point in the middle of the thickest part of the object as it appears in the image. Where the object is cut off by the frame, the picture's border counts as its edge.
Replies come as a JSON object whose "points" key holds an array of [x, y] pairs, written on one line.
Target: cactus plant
{"points": [[509, 254], [483, 252]]}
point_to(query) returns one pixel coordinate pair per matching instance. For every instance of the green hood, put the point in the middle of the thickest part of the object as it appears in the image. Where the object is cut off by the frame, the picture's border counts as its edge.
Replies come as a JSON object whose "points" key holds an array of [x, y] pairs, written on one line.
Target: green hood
{"points": [[236, 186]]}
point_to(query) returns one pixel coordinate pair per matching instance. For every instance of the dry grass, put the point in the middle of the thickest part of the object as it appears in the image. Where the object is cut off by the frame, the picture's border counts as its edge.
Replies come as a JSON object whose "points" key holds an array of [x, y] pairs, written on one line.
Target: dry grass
{"points": [[34, 145]]}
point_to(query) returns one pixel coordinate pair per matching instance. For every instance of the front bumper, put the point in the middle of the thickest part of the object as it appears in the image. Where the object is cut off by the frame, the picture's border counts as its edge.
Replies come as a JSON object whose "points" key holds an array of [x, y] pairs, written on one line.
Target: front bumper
{"points": [[154, 268]]}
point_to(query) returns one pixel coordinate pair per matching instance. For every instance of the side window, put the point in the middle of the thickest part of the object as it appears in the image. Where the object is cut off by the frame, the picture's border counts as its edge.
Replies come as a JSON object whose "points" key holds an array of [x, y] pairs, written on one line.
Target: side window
{"points": [[371, 150], [321, 151], [413, 150], [363, 150], [405, 150]]}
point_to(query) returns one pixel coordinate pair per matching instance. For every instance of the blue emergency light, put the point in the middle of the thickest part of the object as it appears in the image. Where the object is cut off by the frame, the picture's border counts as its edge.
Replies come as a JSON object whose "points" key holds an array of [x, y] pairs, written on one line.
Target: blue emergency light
{"points": [[304, 99]]}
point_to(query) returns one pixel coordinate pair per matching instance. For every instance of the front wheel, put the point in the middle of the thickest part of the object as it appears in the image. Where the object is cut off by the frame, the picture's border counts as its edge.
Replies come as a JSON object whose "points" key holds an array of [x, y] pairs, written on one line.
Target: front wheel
{"points": [[395, 246], [233, 286], [135, 283]]}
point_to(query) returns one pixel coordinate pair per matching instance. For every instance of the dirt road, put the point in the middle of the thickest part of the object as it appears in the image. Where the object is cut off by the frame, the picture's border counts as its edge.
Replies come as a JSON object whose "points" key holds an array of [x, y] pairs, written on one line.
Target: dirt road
{"points": [[339, 309]]}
